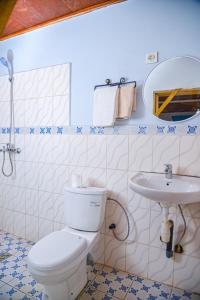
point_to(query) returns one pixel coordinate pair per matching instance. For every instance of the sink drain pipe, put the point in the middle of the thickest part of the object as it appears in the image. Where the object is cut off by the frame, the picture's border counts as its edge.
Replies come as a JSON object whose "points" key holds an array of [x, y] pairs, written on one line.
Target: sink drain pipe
{"points": [[167, 229]]}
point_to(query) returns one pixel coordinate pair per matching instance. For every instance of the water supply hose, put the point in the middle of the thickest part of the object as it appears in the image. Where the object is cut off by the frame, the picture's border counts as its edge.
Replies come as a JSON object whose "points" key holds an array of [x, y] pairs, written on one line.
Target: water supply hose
{"points": [[113, 226]]}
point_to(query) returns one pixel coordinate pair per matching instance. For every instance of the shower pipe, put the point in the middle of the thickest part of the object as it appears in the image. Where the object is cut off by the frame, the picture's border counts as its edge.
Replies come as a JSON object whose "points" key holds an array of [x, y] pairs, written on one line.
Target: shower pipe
{"points": [[10, 148]]}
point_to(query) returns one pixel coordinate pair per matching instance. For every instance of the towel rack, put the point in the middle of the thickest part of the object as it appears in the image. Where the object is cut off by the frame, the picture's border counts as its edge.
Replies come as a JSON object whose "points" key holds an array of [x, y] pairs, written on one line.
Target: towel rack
{"points": [[121, 82]]}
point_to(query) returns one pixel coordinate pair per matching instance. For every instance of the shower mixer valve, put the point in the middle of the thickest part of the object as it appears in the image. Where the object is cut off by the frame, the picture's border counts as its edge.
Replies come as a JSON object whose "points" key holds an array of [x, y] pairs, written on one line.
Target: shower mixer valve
{"points": [[10, 148]]}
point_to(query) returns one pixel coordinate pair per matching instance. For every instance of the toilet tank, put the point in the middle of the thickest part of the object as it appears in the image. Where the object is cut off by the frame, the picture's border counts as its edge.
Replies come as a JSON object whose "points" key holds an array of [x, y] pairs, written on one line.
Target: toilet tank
{"points": [[85, 207]]}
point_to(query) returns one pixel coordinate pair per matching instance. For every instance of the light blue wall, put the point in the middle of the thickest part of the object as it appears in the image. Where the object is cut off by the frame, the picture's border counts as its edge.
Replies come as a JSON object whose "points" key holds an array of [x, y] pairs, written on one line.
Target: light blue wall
{"points": [[110, 43]]}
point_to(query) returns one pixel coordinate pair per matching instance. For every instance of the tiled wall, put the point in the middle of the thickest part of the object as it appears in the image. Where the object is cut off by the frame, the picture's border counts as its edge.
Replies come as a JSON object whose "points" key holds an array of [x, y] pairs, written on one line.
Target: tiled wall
{"points": [[29, 204], [32, 201]]}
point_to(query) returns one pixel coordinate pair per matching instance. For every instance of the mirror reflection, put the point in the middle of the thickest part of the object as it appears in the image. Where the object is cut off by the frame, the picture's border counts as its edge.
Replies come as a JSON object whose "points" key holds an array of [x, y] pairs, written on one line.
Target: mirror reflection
{"points": [[177, 104], [172, 89]]}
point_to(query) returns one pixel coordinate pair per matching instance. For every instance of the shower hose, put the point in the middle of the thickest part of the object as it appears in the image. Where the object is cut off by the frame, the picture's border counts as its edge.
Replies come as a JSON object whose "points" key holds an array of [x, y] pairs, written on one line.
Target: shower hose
{"points": [[9, 145]]}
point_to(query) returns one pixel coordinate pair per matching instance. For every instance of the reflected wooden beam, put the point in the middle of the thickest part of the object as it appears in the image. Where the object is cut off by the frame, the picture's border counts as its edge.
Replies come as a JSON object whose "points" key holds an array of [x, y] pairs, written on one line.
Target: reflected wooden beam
{"points": [[62, 18], [6, 8]]}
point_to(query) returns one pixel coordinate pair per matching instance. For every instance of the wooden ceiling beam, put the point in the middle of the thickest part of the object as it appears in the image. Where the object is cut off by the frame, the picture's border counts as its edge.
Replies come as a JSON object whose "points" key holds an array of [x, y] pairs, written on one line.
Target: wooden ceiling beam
{"points": [[6, 8], [62, 18]]}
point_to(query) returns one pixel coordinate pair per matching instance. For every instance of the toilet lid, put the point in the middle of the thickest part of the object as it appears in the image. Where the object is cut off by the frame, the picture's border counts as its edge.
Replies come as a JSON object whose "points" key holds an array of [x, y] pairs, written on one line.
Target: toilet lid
{"points": [[55, 249]]}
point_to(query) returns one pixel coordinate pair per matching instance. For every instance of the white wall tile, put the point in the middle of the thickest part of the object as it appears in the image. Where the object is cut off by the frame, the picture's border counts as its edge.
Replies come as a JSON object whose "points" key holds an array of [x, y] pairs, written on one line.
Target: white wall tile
{"points": [[32, 203], [1, 196], [58, 208], [44, 149], [117, 152], [190, 241], [78, 150], [27, 85], [58, 226], [61, 149], [137, 259], [96, 155], [45, 81], [165, 151], [4, 88], [21, 86], [31, 148], [19, 107], [115, 252], [140, 152], [46, 177], [46, 205], [61, 110], [160, 267], [32, 228], [45, 112], [191, 210], [18, 198], [190, 155], [17, 178], [31, 175], [61, 79], [45, 227], [19, 224], [186, 273], [7, 217], [95, 177], [60, 178], [97, 250], [4, 114], [7, 191], [31, 112], [139, 224], [117, 185]]}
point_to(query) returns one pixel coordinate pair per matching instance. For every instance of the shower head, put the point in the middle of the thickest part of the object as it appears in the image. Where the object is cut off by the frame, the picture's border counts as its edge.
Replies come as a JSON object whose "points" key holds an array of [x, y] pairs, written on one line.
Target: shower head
{"points": [[4, 61], [10, 68]]}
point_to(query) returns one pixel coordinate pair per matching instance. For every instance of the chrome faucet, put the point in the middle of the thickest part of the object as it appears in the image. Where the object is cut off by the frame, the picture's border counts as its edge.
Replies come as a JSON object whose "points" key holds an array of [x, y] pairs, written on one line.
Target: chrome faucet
{"points": [[168, 171]]}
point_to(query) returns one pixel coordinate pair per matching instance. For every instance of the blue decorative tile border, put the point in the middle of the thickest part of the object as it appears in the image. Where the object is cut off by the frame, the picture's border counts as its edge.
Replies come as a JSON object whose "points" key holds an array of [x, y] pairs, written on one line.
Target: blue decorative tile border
{"points": [[141, 129]]}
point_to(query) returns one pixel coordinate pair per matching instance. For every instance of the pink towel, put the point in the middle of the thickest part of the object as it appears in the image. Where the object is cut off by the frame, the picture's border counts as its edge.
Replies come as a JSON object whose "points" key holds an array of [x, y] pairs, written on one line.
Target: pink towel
{"points": [[126, 101]]}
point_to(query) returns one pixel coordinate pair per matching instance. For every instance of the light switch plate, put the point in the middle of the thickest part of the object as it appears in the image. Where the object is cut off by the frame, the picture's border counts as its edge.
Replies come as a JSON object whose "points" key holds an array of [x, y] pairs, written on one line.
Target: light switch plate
{"points": [[151, 57]]}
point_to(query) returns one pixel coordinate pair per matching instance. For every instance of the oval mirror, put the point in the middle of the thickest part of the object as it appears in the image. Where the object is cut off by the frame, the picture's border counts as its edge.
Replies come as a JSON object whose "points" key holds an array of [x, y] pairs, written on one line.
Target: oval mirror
{"points": [[172, 89]]}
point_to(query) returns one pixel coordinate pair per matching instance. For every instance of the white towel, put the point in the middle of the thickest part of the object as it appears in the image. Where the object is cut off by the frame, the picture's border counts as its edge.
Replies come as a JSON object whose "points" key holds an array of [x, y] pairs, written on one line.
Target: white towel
{"points": [[105, 106]]}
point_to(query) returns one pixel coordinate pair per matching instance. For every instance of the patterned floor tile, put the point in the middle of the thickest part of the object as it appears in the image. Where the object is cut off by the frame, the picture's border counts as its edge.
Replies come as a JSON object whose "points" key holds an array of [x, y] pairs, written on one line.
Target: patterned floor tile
{"points": [[7, 292], [2, 283], [13, 245], [93, 294], [149, 290], [28, 285], [178, 294], [11, 268], [105, 283], [113, 286]]}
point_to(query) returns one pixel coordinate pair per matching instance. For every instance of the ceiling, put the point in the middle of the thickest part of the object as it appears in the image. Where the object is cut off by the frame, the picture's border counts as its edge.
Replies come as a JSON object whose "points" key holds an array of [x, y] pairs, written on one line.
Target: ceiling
{"points": [[20, 16]]}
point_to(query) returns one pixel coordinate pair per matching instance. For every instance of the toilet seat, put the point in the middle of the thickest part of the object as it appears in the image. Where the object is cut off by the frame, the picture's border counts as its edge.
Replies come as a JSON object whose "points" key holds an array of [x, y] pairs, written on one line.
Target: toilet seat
{"points": [[57, 249]]}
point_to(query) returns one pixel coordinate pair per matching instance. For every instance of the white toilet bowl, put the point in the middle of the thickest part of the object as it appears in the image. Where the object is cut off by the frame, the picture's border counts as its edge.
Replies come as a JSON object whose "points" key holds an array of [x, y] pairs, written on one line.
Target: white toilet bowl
{"points": [[58, 262]]}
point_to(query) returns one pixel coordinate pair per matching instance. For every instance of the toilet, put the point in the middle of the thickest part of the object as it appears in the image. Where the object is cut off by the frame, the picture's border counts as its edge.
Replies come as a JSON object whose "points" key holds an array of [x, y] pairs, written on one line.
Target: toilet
{"points": [[58, 261]]}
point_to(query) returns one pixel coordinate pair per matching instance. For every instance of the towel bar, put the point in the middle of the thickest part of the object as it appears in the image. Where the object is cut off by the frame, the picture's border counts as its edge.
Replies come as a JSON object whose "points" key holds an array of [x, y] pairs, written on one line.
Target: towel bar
{"points": [[121, 82]]}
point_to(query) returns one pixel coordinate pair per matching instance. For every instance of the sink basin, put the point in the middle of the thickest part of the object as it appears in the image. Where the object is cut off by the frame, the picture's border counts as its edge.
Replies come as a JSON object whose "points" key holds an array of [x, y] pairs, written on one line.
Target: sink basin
{"points": [[178, 190]]}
